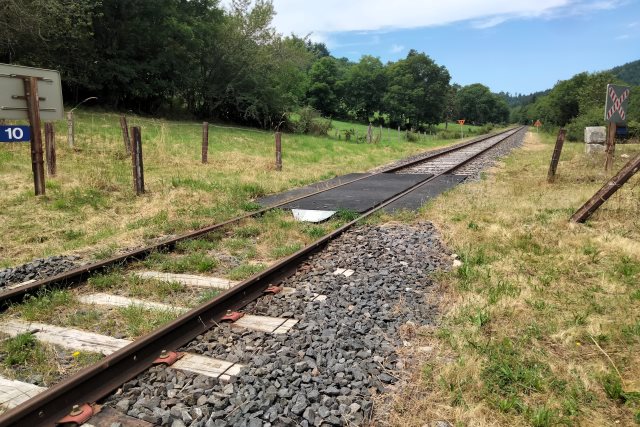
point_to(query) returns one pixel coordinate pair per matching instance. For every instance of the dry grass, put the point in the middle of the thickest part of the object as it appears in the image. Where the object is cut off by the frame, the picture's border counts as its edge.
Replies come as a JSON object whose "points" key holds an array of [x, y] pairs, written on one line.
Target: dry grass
{"points": [[90, 207], [541, 324]]}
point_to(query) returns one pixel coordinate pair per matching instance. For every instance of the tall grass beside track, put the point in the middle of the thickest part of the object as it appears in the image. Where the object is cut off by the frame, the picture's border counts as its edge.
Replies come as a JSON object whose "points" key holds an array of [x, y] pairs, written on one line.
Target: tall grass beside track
{"points": [[90, 205], [541, 323]]}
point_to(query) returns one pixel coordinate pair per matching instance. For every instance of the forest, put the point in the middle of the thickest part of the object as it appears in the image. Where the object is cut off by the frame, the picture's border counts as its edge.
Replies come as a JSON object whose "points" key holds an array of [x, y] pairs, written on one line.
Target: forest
{"points": [[197, 59], [579, 102]]}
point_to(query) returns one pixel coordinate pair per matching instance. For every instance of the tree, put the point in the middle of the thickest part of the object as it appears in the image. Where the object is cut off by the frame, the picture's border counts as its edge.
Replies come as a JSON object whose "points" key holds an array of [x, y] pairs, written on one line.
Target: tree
{"points": [[477, 104], [416, 90], [451, 106], [364, 87], [323, 91]]}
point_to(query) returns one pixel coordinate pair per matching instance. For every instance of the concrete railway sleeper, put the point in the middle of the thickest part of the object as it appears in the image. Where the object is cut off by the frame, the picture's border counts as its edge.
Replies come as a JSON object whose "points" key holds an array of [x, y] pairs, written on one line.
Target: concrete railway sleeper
{"points": [[129, 359]]}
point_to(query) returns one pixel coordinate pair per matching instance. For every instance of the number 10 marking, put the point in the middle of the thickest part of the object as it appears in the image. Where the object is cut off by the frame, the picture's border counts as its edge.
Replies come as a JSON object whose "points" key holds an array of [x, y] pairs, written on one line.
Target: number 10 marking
{"points": [[14, 133]]}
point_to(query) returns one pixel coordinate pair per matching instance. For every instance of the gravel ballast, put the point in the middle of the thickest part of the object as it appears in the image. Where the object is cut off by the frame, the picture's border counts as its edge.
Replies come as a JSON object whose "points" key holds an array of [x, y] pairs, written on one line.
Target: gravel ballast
{"points": [[37, 269], [336, 359]]}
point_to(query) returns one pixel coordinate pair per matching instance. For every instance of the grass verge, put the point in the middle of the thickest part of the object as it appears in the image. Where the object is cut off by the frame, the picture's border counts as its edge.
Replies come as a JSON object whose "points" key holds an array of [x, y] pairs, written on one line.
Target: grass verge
{"points": [[541, 323], [90, 205]]}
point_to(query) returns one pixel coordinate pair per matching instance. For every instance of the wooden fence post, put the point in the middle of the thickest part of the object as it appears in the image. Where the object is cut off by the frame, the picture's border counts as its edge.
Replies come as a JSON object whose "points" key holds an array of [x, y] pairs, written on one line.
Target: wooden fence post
{"points": [[553, 167], [70, 130], [369, 134], [50, 148], [136, 161], [33, 109], [607, 190], [610, 148], [278, 151], [205, 142], [125, 134]]}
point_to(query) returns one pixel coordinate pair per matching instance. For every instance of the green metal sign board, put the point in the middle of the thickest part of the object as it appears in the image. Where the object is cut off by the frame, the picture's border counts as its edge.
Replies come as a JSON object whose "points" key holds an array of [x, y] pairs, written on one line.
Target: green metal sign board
{"points": [[615, 109], [13, 104]]}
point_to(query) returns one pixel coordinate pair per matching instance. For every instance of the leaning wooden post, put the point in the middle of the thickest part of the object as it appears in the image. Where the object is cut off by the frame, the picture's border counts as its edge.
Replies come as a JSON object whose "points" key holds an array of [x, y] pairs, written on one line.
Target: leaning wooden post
{"points": [[136, 161], [50, 148], [278, 151], [205, 142], [607, 190], [369, 134], [611, 146], [555, 157], [70, 130], [125, 134], [33, 110]]}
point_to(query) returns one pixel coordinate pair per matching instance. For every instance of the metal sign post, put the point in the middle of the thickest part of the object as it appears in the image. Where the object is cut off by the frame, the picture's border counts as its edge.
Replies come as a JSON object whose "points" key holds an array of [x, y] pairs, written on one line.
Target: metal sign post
{"points": [[31, 94], [461, 123], [615, 112], [537, 124]]}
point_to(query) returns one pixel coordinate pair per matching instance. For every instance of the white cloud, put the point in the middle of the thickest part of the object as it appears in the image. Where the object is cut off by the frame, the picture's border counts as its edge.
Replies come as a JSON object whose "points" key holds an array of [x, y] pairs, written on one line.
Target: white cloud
{"points": [[397, 48], [330, 16]]}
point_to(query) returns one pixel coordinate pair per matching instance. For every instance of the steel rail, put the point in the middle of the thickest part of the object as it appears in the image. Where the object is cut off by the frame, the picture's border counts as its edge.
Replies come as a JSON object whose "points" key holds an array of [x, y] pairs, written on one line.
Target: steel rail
{"points": [[97, 381], [82, 272]]}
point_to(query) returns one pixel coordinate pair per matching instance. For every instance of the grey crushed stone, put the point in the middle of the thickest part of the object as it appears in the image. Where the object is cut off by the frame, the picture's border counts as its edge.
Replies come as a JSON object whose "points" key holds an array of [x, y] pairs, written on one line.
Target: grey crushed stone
{"points": [[328, 368], [37, 269]]}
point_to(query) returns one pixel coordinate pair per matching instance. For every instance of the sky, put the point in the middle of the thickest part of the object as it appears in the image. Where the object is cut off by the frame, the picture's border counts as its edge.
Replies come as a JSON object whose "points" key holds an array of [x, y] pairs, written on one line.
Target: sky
{"points": [[516, 46]]}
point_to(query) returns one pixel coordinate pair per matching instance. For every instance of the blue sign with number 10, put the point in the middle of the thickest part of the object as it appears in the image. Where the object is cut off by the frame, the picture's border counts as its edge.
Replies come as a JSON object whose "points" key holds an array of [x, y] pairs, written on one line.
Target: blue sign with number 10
{"points": [[15, 133]]}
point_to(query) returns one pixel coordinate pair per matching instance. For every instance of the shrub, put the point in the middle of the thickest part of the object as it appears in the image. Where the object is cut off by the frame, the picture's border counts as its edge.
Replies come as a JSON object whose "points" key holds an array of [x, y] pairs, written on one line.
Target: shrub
{"points": [[591, 117], [309, 122], [412, 136]]}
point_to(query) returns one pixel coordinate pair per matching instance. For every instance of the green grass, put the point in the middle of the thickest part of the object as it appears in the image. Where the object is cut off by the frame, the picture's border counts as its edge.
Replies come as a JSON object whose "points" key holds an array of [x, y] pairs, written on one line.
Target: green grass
{"points": [[244, 271], [193, 262], [20, 349], [208, 295], [91, 205], [139, 321], [541, 322], [46, 305]]}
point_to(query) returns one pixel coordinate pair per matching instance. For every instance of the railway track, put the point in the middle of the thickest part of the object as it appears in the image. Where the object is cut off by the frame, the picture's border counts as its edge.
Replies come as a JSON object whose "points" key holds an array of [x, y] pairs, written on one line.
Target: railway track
{"points": [[125, 360]]}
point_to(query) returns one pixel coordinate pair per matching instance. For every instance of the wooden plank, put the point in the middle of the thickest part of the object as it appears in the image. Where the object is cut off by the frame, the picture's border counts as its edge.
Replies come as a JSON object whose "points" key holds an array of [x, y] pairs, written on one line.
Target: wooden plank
{"points": [[13, 393], [285, 327], [207, 366], [121, 301], [75, 339], [21, 284], [607, 190], [188, 279], [68, 338], [275, 325]]}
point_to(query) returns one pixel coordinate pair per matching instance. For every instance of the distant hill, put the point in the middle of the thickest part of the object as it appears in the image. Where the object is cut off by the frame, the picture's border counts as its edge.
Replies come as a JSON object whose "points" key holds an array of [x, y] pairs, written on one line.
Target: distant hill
{"points": [[629, 72], [518, 99]]}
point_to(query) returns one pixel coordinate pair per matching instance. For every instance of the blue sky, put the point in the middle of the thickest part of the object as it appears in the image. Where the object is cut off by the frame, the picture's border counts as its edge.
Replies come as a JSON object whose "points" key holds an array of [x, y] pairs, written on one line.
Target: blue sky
{"points": [[509, 45]]}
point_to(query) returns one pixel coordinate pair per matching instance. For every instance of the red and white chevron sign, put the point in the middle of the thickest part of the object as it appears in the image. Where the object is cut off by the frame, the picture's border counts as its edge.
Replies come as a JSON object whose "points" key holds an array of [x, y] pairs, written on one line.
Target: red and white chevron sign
{"points": [[616, 106]]}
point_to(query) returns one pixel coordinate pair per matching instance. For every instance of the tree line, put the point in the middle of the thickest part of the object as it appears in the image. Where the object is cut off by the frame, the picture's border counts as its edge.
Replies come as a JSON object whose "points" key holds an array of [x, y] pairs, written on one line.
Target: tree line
{"points": [[576, 103], [198, 58]]}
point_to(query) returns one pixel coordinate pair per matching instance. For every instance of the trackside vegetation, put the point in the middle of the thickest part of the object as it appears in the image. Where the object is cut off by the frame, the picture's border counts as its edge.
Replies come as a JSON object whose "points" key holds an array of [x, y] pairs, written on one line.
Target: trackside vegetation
{"points": [[90, 206], [541, 323]]}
